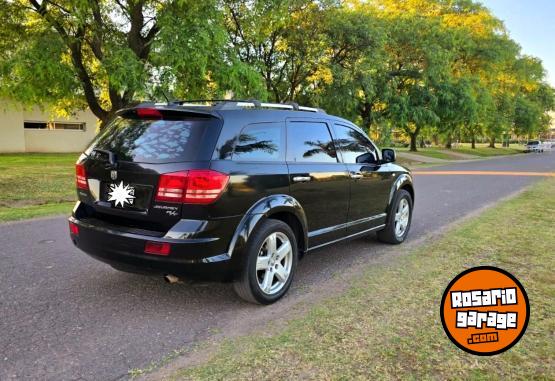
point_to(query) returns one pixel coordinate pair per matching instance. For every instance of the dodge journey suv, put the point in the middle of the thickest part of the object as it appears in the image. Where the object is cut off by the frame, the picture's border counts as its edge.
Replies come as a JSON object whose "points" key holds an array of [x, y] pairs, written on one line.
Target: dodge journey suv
{"points": [[234, 191]]}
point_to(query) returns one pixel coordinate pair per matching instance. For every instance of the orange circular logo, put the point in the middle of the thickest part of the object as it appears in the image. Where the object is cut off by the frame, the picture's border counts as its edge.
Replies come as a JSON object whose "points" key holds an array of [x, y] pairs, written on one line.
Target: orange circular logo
{"points": [[485, 310]]}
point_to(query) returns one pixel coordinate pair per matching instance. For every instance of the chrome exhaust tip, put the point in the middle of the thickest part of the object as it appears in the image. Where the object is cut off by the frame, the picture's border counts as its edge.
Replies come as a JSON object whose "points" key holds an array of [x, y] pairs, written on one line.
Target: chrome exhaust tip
{"points": [[171, 279]]}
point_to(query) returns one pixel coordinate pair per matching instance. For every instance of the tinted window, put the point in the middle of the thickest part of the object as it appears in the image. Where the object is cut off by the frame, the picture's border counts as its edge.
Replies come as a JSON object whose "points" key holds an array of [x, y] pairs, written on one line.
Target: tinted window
{"points": [[259, 142], [355, 147], [153, 141], [310, 142]]}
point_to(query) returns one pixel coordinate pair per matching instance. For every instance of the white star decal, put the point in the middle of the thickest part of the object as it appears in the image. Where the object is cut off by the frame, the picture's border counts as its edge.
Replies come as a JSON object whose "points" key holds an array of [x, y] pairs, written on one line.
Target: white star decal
{"points": [[121, 194]]}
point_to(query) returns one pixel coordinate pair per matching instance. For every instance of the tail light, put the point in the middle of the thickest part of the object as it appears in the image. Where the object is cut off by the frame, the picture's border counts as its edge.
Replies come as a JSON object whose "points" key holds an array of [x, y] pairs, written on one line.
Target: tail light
{"points": [[191, 187], [73, 228], [157, 248], [81, 177], [172, 187], [205, 186], [149, 113]]}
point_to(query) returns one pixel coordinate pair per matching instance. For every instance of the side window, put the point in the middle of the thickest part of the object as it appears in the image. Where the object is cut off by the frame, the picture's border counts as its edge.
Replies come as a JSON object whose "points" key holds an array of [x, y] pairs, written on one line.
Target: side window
{"points": [[310, 142], [355, 147], [260, 142]]}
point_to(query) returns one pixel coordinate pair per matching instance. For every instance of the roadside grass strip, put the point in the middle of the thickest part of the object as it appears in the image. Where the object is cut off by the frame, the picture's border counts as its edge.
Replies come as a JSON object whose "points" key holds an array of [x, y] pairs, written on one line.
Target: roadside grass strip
{"points": [[488, 151], [387, 325], [33, 185], [33, 211], [465, 149]]}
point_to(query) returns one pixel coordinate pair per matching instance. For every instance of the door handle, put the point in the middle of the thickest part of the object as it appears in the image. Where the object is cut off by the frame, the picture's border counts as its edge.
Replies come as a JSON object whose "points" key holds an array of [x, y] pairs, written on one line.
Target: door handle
{"points": [[356, 175], [301, 179]]}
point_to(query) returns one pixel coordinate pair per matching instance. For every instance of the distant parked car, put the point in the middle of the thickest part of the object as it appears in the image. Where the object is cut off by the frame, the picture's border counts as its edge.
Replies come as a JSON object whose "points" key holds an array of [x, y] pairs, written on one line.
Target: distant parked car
{"points": [[534, 146]]}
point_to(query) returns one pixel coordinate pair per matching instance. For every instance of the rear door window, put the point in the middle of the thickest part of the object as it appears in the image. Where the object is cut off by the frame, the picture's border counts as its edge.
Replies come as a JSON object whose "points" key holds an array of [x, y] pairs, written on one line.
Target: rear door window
{"points": [[154, 141], [260, 142], [310, 142]]}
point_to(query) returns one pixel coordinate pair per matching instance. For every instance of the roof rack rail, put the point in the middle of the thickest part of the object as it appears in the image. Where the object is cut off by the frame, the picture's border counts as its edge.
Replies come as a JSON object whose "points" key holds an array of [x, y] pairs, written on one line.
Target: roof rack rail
{"points": [[230, 104]]}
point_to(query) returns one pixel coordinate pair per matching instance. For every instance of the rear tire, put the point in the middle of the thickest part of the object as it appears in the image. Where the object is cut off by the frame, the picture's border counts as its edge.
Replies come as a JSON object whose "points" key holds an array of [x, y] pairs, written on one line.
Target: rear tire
{"points": [[271, 257], [398, 220]]}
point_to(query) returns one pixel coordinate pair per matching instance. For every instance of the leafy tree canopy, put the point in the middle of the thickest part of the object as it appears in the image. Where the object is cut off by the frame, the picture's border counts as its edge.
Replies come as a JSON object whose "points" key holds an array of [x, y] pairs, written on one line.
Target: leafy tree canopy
{"points": [[109, 53], [445, 66]]}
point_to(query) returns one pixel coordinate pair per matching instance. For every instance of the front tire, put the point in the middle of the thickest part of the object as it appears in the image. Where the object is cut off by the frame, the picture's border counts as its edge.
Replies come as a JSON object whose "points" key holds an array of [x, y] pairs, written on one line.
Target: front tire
{"points": [[398, 220], [271, 257]]}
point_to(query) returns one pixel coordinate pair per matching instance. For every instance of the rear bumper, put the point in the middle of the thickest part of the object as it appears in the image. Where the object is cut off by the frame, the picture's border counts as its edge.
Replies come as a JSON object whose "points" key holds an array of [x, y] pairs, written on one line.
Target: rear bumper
{"points": [[196, 258]]}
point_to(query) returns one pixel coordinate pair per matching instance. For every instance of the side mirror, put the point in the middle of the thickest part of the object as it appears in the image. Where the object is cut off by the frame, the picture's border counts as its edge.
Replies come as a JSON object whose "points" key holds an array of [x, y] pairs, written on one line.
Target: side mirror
{"points": [[368, 158], [388, 155]]}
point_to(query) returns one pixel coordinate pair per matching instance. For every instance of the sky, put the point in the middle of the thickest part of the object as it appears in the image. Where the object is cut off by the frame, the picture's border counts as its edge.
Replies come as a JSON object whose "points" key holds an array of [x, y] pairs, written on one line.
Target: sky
{"points": [[531, 23]]}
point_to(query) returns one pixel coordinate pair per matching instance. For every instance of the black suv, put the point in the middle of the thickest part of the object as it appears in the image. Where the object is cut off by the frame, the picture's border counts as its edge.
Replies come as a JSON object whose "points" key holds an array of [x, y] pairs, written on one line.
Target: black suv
{"points": [[233, 190]]}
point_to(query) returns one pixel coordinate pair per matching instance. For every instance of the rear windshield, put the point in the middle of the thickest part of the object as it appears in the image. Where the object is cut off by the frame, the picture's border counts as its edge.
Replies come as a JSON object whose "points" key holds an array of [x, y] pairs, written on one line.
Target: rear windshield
{"points": [[533, 143], [153, 141]]}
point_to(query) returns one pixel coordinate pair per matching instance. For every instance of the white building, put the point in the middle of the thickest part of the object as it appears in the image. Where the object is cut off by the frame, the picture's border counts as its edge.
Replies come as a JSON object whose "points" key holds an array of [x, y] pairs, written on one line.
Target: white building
{"points": [[36, 131]]}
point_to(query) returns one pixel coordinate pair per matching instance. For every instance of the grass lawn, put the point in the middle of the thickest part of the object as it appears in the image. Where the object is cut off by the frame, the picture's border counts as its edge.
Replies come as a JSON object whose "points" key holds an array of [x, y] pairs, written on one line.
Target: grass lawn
{"points": [[484, 150], [481, 150], [387, 326], [33, 185], [436, 153]]}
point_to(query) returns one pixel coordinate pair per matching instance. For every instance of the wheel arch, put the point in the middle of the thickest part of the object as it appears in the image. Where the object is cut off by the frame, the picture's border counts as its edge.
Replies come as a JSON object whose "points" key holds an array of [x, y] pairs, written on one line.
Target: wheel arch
{"points": [[404, 181], [281, 207], [409, 188]]}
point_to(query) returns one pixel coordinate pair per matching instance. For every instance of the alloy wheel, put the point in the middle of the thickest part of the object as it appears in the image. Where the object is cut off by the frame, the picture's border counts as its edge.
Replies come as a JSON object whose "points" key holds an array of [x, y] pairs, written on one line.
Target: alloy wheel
{"points": [[274, 263], [402, 217]]}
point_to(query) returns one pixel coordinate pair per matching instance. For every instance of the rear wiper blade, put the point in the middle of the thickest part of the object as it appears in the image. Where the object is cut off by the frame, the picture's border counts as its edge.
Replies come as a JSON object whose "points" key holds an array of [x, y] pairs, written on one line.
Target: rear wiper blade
{"points": [[110, 154]]}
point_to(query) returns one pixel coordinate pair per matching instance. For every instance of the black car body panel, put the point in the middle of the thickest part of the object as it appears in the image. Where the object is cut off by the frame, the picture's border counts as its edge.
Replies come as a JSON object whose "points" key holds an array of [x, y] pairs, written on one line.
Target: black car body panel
{"points": [[305, 182], [270, 207]]}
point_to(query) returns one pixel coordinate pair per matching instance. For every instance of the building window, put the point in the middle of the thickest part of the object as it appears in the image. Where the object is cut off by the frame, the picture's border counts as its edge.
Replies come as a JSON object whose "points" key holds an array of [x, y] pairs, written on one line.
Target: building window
{"points": [[32, 125], [35, 125]]}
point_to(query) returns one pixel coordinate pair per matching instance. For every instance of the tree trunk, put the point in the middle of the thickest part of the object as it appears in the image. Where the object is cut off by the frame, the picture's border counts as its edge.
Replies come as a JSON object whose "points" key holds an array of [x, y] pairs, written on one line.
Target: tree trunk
{"points": [[367, 124], [473, 142], [413, 138], [107, 119], [422, 145], [492, 142], [103, 123], [449, 142]]}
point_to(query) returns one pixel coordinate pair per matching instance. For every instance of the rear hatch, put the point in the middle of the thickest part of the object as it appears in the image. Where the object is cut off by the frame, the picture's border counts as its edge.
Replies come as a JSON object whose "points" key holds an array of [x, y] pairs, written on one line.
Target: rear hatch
{"points": [[120, 172]]}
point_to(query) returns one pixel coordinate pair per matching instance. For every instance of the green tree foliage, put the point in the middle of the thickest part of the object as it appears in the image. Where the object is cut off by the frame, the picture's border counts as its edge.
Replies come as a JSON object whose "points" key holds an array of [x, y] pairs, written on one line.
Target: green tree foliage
{"points": [[109, 53], [445, 67], [456, 107], [295, 44], [532, 98]]}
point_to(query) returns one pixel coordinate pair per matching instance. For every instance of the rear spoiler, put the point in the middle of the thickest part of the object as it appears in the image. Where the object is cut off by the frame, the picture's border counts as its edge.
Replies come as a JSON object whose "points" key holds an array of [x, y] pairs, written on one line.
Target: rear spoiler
{"points": [[161, 111]]}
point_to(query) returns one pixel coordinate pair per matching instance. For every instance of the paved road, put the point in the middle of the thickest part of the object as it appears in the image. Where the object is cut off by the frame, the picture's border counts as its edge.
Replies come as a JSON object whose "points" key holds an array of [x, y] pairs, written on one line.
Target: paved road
{"points": [[64, 316]]}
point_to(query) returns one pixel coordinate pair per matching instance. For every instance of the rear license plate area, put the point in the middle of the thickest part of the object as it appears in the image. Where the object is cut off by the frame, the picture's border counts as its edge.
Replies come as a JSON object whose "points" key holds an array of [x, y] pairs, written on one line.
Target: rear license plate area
{"points": [[126, 196]]}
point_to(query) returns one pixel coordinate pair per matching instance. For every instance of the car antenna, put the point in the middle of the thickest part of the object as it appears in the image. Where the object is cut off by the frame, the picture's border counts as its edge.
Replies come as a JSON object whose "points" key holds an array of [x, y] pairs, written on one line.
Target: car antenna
{"points": [[165, 96]]}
